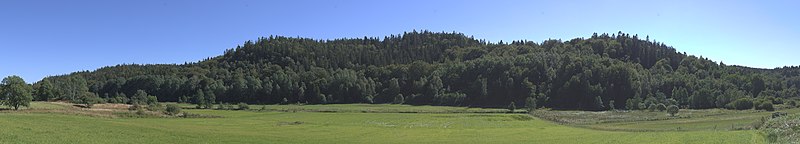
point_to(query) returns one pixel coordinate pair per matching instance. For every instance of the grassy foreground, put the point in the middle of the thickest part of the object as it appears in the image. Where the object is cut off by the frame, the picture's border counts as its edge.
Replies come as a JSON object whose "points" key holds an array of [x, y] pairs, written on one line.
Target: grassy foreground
{"points": [[340, 127]]}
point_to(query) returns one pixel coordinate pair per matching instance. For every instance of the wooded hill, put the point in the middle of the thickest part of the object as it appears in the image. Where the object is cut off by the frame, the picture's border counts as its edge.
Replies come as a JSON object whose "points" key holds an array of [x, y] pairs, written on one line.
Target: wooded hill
{"points": [[437, 68]]}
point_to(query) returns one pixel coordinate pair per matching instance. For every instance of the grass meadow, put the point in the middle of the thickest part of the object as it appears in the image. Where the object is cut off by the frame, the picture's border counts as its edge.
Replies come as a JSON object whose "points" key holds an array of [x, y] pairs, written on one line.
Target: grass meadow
{"points": [[345, 126]]}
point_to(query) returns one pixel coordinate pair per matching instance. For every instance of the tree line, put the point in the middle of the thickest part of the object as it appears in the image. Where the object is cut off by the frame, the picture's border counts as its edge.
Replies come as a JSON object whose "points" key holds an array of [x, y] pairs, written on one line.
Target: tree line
{"points": [[604, 71]]}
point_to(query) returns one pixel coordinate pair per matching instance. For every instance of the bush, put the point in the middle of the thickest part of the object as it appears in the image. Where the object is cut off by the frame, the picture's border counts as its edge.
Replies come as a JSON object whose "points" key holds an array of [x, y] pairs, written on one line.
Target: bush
{"points": [[777, 101], [765, 106], [740, 104], [792, 103], [89, 99], [173, 109], [399, 99], [135, 106], [662, 107], [652, 108], [243, 106], [512, 107], [672, 110], [155, 107]]}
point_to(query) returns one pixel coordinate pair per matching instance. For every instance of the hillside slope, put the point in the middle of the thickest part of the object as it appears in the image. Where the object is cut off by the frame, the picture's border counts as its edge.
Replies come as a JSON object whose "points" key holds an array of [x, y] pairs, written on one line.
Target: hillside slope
{"points": [[428, 68]]}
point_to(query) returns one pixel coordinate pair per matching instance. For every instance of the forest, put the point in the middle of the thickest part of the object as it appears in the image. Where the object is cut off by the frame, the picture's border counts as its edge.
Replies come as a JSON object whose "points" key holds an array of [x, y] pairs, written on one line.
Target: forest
{"points": [[602, 72]]}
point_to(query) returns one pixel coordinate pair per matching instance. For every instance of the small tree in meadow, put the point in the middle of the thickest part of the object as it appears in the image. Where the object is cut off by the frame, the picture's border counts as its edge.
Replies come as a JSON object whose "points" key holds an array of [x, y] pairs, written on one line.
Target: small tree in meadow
{"points": [[672, 110], [512, 107], [652, 108], [662, 107], [173, 109], [89, 99], [530, 104], [611, 105], [399, 99], [243, 106]]}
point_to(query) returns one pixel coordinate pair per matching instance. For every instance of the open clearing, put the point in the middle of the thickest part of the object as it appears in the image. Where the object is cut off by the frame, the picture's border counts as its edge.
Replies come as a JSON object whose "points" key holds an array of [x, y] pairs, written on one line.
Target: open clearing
{"points": [[339, 127]]}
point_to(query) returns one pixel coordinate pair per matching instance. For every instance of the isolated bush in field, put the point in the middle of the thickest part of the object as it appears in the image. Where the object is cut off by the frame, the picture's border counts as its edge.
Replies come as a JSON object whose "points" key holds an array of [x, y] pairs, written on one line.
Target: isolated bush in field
{"points": [[511, 107], [263, 108], [765, 106], [652, 108], [243, 106], [661, 107], [740, 104], [152, 100], [530, 104], [672, 101], [632, 104], [155, 107], [611, 105], [643, 106], [777, 101], [173, 109], [672, 110], [399, 99], [89, 99], [135, 106], [229, 106], [220, 106]]}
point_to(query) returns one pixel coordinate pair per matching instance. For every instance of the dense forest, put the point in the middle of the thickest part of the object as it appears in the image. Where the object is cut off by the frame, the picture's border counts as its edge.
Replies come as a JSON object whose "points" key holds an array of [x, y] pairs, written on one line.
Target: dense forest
{"points": [[604, 71]]}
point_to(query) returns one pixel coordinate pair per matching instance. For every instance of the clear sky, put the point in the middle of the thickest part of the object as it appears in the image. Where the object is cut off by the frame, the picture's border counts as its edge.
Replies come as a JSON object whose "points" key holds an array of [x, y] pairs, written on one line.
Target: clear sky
{"points": [[40, 38]]}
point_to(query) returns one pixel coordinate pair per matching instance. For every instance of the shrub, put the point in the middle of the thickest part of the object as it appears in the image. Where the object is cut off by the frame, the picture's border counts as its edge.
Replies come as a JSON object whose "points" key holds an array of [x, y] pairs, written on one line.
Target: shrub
{"points": [[229, 106], [399, 99], [765, 106], [672, 110], [511, 107], [135, 106], [173, 109], [740, 104], [155, 107], [243, 106], [662, 107], [530, 104], [792, 103], [89, 99], [652, 108], [777, 101]]}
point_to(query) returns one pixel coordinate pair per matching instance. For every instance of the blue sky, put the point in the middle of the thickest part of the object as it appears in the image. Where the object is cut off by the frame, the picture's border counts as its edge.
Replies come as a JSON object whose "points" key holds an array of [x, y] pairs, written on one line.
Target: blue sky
{"points": [[40, 38]]}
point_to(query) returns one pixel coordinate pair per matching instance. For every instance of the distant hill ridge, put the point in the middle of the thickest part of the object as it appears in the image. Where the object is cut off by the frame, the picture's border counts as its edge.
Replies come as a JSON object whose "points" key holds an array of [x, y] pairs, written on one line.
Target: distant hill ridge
{"points": [[440, 68]]}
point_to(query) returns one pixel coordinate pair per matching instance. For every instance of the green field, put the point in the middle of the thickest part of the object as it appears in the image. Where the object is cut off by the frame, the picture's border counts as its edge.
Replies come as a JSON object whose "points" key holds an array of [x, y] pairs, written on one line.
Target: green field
{"points": [[329, 127]]}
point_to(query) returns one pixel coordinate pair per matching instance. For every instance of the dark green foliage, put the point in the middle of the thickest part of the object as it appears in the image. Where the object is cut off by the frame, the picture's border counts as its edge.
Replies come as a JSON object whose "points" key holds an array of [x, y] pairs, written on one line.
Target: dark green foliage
{"points": [[511, 107], [429, 68], [530, 104], [172, 109], [652, 107], [765, 106], [661, 107], [140, 98], [89, 99], [740, 104], [14, 92], [633, 104], [672, 110], [399, 99]]}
